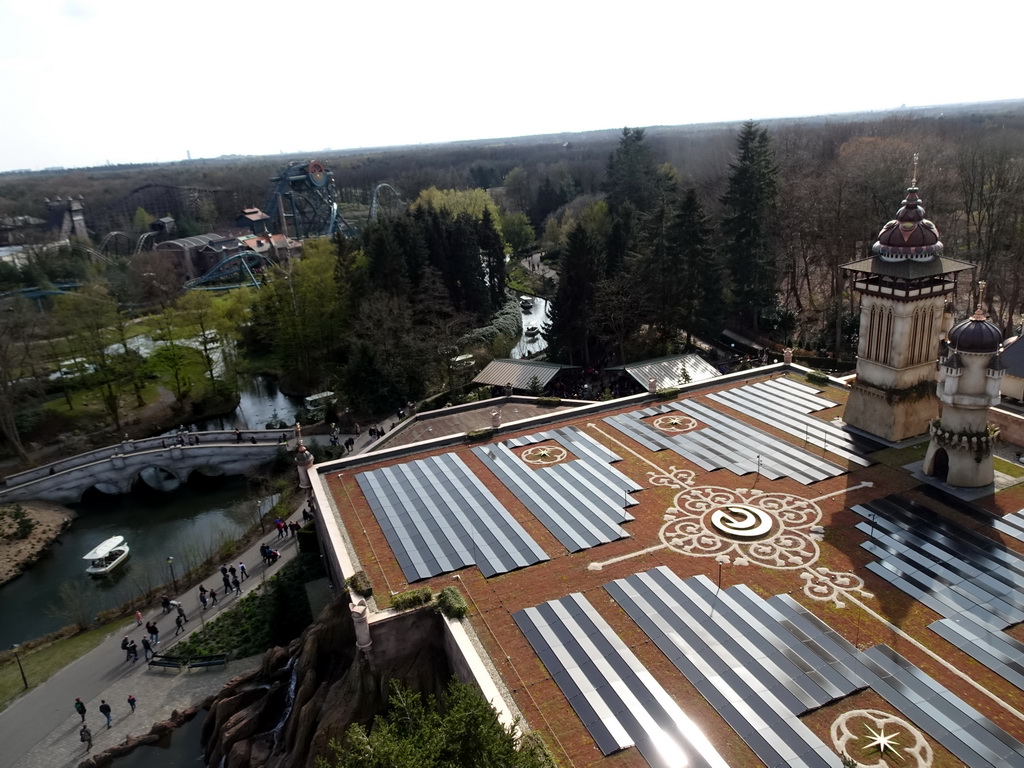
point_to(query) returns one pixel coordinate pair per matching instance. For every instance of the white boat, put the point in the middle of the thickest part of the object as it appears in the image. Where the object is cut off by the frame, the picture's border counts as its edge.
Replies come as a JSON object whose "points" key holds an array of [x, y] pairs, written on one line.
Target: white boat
{"points": [[107, 556], [532, 330], [526, 303]]}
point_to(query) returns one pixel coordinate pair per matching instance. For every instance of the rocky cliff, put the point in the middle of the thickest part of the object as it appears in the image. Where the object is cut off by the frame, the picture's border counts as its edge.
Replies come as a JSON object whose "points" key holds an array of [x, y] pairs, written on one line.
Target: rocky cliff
{"points": [[284, 714]]}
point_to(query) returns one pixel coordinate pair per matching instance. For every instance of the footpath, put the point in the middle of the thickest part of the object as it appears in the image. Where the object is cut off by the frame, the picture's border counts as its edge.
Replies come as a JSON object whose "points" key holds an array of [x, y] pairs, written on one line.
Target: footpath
{"points": [[41, 729]]}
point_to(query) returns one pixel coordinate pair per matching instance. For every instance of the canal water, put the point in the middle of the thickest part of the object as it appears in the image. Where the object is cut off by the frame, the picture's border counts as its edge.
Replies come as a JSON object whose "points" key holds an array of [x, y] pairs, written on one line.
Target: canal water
{"points": [[531, 345], [178, 749], [185, 524]]}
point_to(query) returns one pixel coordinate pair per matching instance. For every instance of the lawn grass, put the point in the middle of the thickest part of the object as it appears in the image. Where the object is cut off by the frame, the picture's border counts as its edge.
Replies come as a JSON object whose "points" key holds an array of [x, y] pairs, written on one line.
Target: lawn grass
{"points": [[273, 613], [40, 664], [1008, 467], [900, 457]]}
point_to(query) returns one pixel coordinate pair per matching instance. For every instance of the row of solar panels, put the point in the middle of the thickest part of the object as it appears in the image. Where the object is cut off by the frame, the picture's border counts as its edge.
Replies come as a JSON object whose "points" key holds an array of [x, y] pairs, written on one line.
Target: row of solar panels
{"points": [[770, 403], [759, 663], [439, 517], [975, 583], [725, 443]]}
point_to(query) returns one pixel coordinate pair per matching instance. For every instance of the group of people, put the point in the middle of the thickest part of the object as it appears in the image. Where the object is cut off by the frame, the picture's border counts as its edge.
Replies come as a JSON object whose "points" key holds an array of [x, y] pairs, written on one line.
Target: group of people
{"points": [[233, 578], [84, 733], [285, 529], [269, 554]]}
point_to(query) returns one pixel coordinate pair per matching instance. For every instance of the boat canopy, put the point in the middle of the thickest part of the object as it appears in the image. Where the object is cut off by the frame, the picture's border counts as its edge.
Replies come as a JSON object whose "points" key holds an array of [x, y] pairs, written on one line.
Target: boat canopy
{"points": [[105, 548]]}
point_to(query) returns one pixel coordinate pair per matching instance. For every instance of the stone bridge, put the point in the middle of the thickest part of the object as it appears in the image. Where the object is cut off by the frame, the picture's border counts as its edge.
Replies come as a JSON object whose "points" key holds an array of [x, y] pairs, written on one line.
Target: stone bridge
{"points": [[116, 468]]}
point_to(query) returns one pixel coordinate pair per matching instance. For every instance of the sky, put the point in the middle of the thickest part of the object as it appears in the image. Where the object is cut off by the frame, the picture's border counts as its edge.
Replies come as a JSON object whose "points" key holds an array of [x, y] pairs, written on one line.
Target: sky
{"points": [[91, 82]]}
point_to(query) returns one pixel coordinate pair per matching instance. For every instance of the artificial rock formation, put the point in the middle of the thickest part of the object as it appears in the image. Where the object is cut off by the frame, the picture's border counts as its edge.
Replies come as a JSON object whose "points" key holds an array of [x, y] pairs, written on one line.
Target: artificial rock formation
{"points": [[285, 714]]}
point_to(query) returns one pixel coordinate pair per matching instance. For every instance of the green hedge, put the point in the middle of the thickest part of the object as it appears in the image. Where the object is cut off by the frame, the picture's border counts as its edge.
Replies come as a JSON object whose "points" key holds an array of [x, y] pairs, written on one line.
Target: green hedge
{"points": [[414, 598], [359, 583], [451, 603]]}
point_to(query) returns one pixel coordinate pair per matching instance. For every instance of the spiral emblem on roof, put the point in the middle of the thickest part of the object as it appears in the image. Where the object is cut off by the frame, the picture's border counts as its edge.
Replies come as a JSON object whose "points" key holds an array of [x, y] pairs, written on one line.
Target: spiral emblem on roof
{"points": [[739, 521]]}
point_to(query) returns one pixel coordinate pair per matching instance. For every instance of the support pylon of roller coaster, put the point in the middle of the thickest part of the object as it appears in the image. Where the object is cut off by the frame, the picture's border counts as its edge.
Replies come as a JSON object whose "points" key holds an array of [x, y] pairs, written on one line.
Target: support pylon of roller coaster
{"points": [[303, 202]]}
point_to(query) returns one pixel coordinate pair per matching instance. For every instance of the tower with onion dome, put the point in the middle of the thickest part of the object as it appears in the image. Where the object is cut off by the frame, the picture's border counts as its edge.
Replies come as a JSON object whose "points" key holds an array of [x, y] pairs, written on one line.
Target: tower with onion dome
{"points": [[904, 313], [970, 372]]}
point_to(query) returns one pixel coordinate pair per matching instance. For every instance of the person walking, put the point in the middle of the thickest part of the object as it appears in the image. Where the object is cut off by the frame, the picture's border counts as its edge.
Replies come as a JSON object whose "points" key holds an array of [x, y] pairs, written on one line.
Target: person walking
{"points": [[227, 583], [131, 702], [138, 618], [86, 736], [154, 633], [213, 597], [105, 711], [80, 708], [202, 599], [126, 647], [232, 572], [181, 613], [133, 651], [237, 585], [147, 648], [242, 572], [179, 624]]}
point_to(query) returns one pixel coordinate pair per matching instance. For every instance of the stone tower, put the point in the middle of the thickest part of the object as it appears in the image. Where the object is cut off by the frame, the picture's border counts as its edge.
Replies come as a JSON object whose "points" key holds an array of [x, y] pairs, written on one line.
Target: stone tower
{"points": [[970, 372], [903, 316]]}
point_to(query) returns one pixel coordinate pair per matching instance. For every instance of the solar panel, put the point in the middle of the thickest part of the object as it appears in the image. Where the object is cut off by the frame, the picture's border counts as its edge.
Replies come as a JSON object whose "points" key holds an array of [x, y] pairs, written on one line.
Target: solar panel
{"points": [[580, 502], [438, 517], [723, 641], [716, 445], [617, 699]]}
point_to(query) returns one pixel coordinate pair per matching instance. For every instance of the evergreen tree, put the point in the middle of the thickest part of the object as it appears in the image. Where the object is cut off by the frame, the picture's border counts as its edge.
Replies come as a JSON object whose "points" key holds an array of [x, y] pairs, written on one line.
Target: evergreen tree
{"points": [[549, 200], [632, 173], [461, 730], [573, 311], [693, 287], [492, 250], [750, 242]]}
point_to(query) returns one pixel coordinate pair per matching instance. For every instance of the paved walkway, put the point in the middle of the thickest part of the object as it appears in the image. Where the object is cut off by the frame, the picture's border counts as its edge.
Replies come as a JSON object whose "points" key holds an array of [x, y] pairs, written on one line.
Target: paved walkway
{"points": [[40, 730]]}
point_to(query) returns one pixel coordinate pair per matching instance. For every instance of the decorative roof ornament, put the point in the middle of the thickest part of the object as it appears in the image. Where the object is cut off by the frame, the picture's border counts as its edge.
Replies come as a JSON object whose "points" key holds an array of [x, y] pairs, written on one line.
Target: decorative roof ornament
{"points": [[910, 235], [976, 333]]}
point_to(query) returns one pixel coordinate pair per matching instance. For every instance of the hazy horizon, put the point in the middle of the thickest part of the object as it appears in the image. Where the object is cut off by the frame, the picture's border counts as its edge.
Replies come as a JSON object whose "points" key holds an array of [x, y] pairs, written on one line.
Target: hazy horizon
{"points": [[91, 83]]}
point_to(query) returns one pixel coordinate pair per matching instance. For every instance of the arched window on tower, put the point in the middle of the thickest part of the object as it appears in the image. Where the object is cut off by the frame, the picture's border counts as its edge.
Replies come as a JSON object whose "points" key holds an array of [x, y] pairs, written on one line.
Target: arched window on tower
{"points": [[887, 343], [915, 340], [869, 351]]}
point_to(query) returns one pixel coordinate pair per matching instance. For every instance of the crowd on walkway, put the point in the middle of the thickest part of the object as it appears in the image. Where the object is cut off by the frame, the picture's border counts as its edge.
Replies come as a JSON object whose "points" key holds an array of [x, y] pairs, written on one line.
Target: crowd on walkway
{"points": [[203, 599]]}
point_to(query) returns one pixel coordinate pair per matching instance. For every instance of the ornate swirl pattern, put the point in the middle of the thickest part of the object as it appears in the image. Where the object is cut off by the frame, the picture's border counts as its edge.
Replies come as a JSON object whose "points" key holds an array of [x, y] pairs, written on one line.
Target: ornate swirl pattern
{"points": [[672, 478], [790, 539], [822, 584], [860, 734]]}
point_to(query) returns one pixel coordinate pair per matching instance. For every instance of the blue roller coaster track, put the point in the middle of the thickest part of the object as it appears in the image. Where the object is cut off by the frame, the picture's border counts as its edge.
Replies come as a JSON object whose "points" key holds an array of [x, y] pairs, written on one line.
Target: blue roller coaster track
{"points": [[304, 202], [242, 268]]}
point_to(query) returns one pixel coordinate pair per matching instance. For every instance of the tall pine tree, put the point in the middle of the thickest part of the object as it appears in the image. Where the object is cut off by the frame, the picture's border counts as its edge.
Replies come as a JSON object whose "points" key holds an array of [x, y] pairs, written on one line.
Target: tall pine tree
{"points": [[748, 226], [572, 312]]}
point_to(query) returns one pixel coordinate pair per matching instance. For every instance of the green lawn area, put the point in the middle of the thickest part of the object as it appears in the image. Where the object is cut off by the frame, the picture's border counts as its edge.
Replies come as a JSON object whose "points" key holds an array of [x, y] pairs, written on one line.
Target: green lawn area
{"points": [[40, 664], [1008, 467], [899, 457]]}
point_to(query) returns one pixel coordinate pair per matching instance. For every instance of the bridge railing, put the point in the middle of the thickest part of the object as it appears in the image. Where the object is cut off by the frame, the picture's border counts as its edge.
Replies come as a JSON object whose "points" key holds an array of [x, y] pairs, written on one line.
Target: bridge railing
{"points": [[219, 437]]}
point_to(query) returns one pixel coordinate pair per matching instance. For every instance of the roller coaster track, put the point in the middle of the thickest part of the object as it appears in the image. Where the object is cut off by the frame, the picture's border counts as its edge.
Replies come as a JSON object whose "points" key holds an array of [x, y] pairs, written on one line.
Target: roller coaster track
{"points": [[231, 272], [304, 201], [374, 206]]}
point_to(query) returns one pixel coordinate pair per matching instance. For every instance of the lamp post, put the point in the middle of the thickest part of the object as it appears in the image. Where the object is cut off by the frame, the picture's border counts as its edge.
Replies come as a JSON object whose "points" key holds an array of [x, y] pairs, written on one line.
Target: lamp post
{"points": [[170, 565], [14, 650]]}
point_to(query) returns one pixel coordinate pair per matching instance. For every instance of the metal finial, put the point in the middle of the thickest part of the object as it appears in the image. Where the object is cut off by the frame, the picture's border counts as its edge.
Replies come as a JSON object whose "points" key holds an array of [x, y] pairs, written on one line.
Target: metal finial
{"points": [[981, 293], [913, 181]]}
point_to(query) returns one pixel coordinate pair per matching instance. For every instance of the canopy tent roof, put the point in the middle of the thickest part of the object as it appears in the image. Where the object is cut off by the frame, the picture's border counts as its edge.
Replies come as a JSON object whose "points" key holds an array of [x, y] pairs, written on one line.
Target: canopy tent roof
{"points": [[105, 548], [519, 373], [669, 371]]}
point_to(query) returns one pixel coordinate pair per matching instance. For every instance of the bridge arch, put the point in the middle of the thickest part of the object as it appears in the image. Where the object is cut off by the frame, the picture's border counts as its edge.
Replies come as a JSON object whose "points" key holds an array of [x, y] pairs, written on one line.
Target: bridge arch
{"points": [[155, 477]]}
